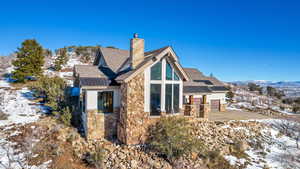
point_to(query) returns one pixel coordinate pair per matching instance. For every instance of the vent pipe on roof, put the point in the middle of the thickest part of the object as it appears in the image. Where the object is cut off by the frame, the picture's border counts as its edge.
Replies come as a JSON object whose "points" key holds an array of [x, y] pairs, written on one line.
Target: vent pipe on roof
{"points": [[137, 47]]}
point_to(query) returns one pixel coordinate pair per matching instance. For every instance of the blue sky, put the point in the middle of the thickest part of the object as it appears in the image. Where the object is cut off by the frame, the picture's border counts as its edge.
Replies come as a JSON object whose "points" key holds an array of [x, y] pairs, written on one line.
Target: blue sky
{"points": [[234, 40]]}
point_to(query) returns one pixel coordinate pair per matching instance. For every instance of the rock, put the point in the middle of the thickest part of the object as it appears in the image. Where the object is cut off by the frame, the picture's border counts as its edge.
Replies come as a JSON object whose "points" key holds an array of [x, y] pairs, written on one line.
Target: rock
{"points": [[121, 155], [134, 164]]}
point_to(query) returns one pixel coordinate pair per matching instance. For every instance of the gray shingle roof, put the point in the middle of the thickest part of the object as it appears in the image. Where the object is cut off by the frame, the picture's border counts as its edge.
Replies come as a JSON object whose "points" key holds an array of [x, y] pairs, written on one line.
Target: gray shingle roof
{"points": [[88, 71], [114, 58], [197, 76], [92, 81], [194, 74], [200, 83], [219, 88], [196, 89]]}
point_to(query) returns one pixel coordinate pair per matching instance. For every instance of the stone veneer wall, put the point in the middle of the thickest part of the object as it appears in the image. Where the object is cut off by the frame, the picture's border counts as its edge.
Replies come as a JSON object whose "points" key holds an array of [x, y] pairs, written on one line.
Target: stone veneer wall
{"points": [[100, 125], [134, 122], [205, 109], [191, 110]]}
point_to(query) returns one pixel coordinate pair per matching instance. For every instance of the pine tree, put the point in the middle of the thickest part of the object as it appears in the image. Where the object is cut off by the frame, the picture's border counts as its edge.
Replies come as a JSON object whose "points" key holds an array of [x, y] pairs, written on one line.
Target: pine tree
{"points": [[61, 59], [230, 95], [29, 62]]}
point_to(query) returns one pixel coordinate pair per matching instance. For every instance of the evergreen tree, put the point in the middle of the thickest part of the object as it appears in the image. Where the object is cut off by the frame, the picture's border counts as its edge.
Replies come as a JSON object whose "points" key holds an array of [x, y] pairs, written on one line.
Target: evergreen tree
{"points": [[29, 61], [47, 53], [61, 59], [230, 95]]}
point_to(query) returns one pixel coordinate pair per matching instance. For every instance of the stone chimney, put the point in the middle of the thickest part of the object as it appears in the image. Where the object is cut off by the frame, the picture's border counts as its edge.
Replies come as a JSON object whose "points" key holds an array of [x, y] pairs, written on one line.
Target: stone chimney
{"points": [[136, 50]]}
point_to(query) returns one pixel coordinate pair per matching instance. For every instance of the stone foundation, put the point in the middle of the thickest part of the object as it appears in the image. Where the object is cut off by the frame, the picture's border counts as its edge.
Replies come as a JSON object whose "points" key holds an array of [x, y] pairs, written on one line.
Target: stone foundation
{"points": [[100, 125], [223, 107], [205, 109], [191, 110]]}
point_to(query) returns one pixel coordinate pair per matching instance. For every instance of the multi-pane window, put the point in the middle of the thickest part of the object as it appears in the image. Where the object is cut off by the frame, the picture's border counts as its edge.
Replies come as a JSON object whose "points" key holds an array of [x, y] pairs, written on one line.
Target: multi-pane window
{"points": [[155, 99], [170, 73], [176, 98], [164, 88], [168, 97], [105, 102], [172, 98], [156, 71], [176, 76]]}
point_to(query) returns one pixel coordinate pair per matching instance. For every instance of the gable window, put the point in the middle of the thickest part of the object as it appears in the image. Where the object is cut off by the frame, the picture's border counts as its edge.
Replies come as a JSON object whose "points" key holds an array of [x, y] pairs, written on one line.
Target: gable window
{"points": [[169, 72], [156, 71], [164, 89], [176, 76], [105, 102]]}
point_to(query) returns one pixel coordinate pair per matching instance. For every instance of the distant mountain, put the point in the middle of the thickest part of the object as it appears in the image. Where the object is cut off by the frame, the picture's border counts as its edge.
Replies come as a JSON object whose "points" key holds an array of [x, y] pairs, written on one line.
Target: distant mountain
{"points": [[290, 88], [278, 84]]}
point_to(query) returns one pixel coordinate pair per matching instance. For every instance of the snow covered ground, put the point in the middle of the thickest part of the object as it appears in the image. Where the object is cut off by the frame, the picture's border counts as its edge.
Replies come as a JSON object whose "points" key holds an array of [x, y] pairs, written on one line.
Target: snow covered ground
{"points": [[278, 151], [20, 108]]}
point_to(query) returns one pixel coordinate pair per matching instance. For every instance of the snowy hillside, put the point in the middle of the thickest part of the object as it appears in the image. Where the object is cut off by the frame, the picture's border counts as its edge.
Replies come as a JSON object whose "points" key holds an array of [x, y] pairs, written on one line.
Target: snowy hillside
{"points": [[253, 101], [290, 88], [19, 109], [272, 149], [67, 70]]}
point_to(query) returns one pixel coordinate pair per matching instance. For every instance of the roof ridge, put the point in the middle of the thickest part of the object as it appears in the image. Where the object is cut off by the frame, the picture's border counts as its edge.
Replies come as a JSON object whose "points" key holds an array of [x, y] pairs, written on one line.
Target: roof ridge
{"points": [[156, 50]]}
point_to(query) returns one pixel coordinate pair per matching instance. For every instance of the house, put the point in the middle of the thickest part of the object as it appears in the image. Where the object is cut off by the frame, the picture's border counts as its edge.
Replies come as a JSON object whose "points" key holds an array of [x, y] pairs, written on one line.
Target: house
{"points": [[203, 94], [124, 92]]}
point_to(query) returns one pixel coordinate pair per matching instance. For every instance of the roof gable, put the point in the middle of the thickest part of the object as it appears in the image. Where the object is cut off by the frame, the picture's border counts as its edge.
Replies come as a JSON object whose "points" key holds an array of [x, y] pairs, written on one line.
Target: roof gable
{"points": [[150, 59], [113, 58]]}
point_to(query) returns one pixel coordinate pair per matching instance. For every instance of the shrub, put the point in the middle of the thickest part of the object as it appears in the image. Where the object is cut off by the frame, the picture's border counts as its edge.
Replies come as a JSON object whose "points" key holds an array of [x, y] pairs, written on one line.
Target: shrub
{"points": [[3, 116], [216, 160], [238, 150], [96, 158], [230, 95], [170, 138], [52, 89], [296, 108], [65, 116], [254, 87]]}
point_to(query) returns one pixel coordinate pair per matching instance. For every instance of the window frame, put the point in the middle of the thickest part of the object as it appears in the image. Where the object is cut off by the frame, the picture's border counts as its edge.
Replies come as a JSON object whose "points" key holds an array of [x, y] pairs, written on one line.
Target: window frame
{"points": [[112, 101], [164, 83], [161, 67]]}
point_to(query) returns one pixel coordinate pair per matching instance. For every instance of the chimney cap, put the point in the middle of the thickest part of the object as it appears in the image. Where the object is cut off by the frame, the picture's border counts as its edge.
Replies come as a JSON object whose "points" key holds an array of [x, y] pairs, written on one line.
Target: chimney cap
{"points": [[135, 35]]}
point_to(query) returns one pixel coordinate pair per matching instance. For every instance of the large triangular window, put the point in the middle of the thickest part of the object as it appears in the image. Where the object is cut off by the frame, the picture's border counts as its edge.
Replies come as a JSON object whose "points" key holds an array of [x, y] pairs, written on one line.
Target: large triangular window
{"points": [[170, 72]]}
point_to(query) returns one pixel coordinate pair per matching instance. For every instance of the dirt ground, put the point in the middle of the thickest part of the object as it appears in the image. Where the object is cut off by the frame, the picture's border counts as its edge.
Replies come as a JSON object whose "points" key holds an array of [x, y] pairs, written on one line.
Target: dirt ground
{"points": [[235, 115]]}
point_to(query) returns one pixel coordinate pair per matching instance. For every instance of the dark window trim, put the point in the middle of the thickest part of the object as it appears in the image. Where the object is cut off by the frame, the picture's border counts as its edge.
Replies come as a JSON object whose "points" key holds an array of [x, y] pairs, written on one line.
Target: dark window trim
{"points": [[111, 106]]}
